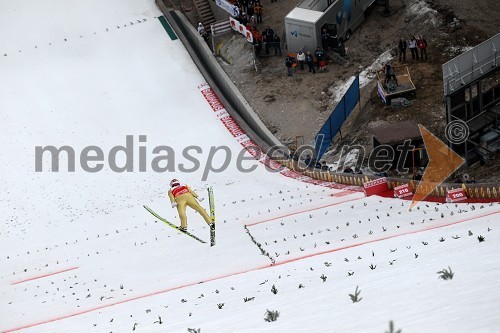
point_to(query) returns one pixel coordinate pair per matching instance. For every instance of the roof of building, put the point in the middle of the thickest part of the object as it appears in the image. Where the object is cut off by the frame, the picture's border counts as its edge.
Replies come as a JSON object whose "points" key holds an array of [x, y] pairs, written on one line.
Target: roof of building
{"points": [[394, 133]]}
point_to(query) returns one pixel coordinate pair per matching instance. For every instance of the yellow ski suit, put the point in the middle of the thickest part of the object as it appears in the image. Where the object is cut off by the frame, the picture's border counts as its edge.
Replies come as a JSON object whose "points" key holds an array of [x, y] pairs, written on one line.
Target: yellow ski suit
{"points": [[184, 196]]}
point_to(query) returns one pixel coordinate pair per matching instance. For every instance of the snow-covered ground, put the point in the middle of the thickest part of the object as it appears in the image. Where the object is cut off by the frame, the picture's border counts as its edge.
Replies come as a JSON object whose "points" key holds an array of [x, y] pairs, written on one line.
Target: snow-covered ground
{"points": [[80, 254]]}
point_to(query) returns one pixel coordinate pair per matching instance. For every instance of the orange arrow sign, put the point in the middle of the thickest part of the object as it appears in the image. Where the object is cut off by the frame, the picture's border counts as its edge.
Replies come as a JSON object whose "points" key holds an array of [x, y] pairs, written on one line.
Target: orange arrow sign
{"points": [[442, 163]]}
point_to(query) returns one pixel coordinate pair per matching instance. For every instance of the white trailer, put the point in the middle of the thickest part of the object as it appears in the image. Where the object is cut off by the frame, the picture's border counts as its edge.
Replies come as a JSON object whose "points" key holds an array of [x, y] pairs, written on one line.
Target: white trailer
{"points": [[304, 24]]}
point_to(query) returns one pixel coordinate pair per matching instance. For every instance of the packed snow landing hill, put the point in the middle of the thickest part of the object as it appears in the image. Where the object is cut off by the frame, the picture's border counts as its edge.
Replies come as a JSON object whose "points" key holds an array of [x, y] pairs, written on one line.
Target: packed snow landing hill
{"points": [[104, 83]]}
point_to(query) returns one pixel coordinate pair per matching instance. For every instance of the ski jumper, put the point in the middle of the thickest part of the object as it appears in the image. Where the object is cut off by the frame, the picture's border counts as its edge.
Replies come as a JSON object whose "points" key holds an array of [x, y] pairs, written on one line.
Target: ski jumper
{"points": [[184, 196]]}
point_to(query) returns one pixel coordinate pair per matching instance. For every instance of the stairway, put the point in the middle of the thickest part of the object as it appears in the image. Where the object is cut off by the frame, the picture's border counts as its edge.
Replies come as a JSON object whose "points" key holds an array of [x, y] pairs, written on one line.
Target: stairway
{"points": [[204, 12], [336, 57]]}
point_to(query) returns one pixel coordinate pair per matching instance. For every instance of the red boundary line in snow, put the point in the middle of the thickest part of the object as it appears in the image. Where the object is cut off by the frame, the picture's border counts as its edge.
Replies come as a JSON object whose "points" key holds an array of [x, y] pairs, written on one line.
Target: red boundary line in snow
{"points": [[238, 273], [44, 275], [302, 211], [384, 238], [66, 316], [341, 194]]}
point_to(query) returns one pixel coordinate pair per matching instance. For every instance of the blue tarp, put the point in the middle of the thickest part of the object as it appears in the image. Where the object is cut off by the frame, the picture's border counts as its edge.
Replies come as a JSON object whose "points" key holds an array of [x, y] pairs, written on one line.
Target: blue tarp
{"points": [[352, 97], [339, 115]]}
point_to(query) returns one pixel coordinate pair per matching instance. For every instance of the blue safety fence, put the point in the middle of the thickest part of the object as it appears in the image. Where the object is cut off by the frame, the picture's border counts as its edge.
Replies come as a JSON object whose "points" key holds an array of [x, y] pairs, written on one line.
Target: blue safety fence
{"points": [[339, 115]]}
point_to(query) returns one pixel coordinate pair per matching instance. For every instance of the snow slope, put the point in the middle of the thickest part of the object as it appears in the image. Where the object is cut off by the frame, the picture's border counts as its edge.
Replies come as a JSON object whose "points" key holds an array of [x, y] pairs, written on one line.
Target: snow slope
{"points": [[80, 254]]}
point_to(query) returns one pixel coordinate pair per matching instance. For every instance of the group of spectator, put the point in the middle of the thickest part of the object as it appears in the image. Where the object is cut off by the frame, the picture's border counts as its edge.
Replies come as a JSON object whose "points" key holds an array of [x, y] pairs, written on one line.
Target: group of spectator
{"points": [[465, 179], [251, 16], [316, 164], [266, 41], [312, 163], [415, 45], [356, 170], [301, 59], [250, 11]]}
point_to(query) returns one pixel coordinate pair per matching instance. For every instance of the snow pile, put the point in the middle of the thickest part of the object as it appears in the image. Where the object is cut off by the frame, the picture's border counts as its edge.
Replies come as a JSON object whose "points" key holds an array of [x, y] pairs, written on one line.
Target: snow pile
{"points": [[365, 76], [454, 51], [420, 15], [370, 73]]}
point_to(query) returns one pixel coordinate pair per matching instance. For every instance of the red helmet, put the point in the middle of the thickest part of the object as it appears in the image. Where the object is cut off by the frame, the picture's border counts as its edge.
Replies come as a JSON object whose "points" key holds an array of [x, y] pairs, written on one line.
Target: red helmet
{"points": [[174, 182]]}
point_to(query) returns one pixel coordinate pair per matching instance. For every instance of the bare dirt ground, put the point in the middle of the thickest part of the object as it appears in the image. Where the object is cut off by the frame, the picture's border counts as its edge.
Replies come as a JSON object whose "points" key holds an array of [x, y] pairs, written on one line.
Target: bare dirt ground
{"points": [[299, 105]]}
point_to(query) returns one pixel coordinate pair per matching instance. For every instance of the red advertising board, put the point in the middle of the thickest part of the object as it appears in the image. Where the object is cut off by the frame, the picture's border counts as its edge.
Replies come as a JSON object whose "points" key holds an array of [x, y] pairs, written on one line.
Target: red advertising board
{"points": [[456, 195], [403, 191], [375, 186]]}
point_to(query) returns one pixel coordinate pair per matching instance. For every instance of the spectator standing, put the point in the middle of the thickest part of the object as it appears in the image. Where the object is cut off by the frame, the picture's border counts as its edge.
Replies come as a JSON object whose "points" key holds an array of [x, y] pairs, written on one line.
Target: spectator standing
{"points": [[265, 42], [288, 64], [422, 45], [412, 45], [202, 32], [250, 11], [243, 19], [277, 45], [269, 33], [201, 29], [310, 62], [334, 42], [389, 72], [253, 22], [257, 40], [402, 49], [301, 58], [322, 65], [319, 54], [257, 9], [308, 160], [325, 39]]}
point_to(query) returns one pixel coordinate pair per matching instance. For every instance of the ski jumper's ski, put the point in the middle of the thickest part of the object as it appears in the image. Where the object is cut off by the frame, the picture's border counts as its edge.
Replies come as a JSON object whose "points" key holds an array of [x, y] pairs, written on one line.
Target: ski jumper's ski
{"points": [[172, 225], [212, 215]]}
